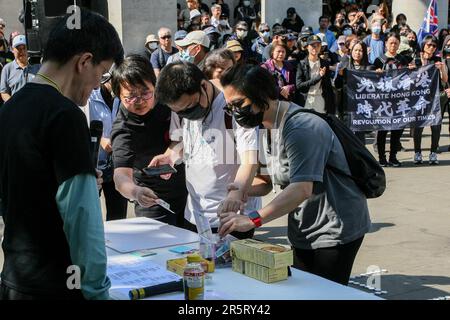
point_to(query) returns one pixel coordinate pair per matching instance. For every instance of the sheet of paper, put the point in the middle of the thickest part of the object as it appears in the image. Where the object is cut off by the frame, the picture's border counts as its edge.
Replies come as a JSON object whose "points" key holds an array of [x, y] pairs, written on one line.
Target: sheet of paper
{"points": [[135, 234], [128, 272]]}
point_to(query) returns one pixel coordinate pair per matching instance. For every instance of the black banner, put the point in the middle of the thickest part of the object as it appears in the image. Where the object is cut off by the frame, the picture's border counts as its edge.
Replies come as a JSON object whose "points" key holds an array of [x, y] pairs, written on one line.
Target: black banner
{"points": [[394, 99]]}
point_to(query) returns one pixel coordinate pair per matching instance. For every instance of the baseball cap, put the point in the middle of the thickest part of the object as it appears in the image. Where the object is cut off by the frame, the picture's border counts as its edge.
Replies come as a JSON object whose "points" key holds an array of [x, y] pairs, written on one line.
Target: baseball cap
{"points": [[314, 39], [211, 30], [19, 40], [197, 37], [306, 32], [180, 35], [234, 45], [151, 38], [291, 36], [194, 13]]}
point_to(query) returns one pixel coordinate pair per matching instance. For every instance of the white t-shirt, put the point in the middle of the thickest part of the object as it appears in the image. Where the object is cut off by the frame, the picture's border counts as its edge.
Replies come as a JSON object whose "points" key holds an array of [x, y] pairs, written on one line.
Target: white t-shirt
{"points": [[314, 99], [211, 160]]}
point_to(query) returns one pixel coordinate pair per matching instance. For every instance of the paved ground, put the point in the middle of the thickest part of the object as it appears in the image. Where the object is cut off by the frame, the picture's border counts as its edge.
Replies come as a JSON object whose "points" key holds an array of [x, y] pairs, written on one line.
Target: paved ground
{"points": [[410, 236]]}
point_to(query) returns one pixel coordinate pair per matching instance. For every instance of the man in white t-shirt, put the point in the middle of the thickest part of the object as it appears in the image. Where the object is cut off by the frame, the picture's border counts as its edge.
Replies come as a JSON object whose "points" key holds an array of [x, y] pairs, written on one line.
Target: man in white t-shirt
{"points": [[215, 149]]}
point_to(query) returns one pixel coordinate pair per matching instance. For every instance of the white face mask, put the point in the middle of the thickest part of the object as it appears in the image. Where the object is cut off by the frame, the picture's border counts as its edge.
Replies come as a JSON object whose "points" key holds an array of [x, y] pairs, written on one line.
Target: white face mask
{"points": [[247, 3], [241, 34], [223, 23], [153, 46]]}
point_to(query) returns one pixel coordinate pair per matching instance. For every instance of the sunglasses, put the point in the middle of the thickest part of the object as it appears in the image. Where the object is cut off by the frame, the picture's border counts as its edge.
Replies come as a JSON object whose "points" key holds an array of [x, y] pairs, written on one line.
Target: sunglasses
{"points": [[166, 37], [241, 29], [133, 99], [267, 30], [433, 45]]}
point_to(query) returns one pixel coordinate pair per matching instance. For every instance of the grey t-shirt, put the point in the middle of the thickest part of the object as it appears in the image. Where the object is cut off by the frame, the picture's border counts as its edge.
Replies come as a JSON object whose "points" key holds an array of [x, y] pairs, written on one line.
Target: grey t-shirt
{"points": [[337, 212], [13, 77]]}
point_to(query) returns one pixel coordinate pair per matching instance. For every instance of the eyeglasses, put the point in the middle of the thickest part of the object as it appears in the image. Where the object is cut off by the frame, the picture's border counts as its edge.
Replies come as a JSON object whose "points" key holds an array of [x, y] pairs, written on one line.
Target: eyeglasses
{"points": [[231, 107], [106, 77], [341, 44], [166, 37], [134, 99]]}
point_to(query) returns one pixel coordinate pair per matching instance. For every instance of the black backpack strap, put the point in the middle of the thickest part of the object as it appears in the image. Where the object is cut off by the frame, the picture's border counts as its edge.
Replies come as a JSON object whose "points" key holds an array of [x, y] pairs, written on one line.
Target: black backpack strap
{"points": [[324, 117]]}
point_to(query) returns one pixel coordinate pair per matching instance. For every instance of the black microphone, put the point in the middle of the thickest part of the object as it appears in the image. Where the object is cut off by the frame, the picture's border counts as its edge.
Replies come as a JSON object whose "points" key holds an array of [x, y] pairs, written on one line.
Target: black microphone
{"points": [[96, 128]]}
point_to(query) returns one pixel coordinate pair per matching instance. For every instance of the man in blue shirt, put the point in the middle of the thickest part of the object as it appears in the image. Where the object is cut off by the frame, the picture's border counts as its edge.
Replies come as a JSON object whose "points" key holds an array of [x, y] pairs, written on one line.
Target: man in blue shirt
{"points": [[17, 73], [54, 242], [374, 42], [324, 23]]}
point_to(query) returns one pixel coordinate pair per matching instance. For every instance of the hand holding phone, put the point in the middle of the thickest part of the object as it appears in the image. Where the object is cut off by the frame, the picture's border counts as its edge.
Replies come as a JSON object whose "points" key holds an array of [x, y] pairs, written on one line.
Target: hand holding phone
{"points": [[159, 170]]}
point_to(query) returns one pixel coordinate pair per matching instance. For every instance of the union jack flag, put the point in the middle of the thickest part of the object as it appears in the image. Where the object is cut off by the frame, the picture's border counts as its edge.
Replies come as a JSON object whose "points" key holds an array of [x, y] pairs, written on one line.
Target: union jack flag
{"points": [[430, 22]]}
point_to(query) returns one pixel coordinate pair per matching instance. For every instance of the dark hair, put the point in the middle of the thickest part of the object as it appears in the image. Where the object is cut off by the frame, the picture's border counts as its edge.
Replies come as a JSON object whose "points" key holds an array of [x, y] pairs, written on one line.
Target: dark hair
{"points": [[429, 38], [275, 45], [134, 70], [215, 59], [400, 15], [177, 79], [392, 34], [255, 82], [365, 57], [324, 17], [96, 36]]}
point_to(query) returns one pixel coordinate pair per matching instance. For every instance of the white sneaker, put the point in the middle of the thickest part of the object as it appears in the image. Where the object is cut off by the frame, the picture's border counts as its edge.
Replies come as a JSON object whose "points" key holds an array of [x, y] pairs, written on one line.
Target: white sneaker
{"points": [[418, 158], [433, 158]]}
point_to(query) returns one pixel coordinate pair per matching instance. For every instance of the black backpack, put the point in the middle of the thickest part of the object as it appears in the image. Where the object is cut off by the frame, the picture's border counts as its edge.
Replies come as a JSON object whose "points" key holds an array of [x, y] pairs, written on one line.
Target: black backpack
{"points": [[365, 170]]}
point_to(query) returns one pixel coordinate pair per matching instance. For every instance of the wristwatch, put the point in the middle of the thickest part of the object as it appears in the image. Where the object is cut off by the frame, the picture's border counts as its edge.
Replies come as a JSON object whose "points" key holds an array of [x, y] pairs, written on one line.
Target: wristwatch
{"points": [[256, 218]]}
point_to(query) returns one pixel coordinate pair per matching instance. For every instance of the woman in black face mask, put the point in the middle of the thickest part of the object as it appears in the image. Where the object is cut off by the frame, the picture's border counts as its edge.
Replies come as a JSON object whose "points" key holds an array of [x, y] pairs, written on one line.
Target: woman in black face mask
{"points": [[301, 148]]}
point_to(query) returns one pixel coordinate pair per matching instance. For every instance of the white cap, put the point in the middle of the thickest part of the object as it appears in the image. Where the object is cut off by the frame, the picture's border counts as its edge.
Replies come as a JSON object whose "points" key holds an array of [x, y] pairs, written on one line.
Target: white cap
{"points": [[197, 37], [194, 13], [19, 40]]}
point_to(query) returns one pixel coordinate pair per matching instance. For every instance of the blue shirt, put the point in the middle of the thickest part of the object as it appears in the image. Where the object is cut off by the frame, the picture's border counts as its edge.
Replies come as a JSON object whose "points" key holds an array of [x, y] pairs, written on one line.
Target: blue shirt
{"points": [[13, 77], [98, 110], [376, 48], [329, 37]]}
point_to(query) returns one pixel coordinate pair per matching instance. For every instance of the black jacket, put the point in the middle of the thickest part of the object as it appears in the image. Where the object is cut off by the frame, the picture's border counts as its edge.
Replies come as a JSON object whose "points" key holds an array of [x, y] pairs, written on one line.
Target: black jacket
{"points": [[304, 82]]}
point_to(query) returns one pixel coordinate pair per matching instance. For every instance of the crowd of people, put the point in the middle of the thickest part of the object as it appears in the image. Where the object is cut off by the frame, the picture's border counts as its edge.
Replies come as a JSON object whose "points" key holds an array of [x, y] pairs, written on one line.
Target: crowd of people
{"points": [[175, 104]]}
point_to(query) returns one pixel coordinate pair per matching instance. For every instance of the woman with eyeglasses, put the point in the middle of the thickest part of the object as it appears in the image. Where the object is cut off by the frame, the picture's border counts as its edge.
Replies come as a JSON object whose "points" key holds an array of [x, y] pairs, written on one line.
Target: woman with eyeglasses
{"points": [[328, 213], [428, 56], [140, 132], [262, 41]]}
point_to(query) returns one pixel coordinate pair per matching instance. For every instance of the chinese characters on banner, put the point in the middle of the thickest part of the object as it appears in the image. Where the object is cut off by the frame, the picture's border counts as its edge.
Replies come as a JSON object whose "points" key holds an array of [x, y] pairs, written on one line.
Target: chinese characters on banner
{"points": [[393, 100]]}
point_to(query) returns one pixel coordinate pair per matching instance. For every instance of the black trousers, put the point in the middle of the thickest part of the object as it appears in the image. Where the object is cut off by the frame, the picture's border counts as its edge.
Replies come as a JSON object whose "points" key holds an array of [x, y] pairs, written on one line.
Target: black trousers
{"points": [[116, 204], [394, 145], [435, 136], [333, 263], [239, 235], [177, 205]]}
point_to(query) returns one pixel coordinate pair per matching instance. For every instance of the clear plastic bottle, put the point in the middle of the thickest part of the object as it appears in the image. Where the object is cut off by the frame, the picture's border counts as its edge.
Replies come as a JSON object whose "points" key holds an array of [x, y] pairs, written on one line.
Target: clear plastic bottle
{"points": [[194, 279]]}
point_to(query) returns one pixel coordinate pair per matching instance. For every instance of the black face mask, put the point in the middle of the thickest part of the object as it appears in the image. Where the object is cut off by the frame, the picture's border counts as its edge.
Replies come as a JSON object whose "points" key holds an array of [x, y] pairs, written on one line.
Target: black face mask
{"points": [[412, 43], [196, 112], [246, 118]]}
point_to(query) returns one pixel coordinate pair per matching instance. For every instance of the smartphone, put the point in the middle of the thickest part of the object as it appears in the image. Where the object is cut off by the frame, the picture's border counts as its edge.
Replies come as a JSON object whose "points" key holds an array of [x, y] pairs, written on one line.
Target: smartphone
{"points": [[159, 170]]}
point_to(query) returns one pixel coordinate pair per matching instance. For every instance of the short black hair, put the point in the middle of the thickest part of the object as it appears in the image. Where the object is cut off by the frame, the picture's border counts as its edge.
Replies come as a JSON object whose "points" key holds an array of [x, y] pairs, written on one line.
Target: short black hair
{"points": [[392, 34], [134, 70], [255, 82], [96, 36], [177, 79], [324, 17]]}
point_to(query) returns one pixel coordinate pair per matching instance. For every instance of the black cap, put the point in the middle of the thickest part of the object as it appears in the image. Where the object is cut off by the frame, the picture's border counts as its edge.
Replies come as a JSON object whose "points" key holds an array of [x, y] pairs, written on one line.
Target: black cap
{"points": [[306, 32], [291, 11], [314, 39]]}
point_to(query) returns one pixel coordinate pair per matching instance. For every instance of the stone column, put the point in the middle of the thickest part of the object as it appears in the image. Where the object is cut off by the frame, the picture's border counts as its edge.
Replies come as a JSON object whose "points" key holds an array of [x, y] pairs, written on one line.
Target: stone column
{"points": [[415, 12], [135, 19]]}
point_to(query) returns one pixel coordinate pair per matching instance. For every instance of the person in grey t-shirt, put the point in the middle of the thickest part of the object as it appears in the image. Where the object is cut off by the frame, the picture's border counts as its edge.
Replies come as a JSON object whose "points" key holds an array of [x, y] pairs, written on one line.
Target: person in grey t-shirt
{"points": [[328, 213]]}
